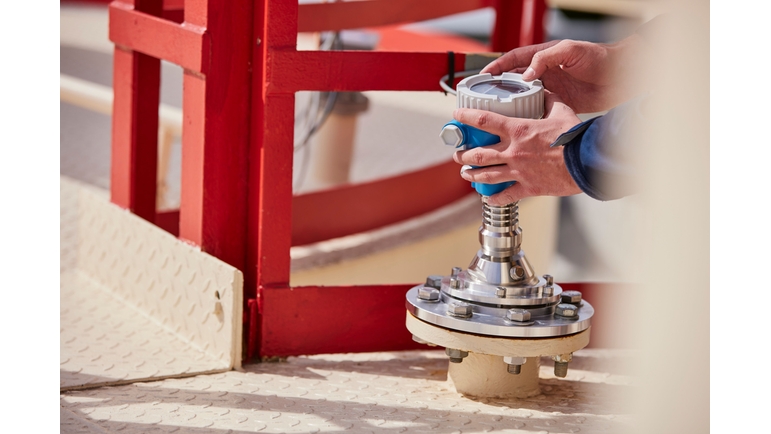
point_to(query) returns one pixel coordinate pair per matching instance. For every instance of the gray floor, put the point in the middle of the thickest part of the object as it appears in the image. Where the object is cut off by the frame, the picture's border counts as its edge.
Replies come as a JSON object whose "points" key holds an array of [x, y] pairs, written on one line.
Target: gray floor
{"points": [[592, 234]]}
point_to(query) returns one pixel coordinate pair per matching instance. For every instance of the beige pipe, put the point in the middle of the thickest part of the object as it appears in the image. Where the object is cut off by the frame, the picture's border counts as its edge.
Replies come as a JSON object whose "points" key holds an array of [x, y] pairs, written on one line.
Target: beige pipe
{"points": [[483, 375], [332, 151], [332, 148]]}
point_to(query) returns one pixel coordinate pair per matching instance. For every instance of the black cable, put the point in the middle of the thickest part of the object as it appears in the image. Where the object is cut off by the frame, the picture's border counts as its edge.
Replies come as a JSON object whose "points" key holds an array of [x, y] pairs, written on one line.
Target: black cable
{"points": [[450, 69]]}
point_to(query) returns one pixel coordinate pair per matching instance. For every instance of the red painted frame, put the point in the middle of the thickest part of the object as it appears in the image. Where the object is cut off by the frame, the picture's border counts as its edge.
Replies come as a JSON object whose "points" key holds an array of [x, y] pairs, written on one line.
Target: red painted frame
{"points": [[241, 72]]}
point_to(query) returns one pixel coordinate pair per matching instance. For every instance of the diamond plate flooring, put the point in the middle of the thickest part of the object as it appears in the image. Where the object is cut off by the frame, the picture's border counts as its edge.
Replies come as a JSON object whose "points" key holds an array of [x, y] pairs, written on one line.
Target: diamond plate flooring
{"points": [[388, 392]]}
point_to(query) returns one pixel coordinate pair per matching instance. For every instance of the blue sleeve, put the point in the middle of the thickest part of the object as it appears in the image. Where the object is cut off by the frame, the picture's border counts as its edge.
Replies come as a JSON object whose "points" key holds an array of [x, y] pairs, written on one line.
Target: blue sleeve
{"points": [[598, 152]]}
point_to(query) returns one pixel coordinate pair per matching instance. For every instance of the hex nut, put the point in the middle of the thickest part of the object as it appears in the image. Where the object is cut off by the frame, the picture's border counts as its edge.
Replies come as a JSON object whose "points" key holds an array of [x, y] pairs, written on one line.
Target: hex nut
{"points": [[434, 281], [549, 279], [500, 292], [460, 310], [566, 310], [572, 297], [514, 360], [428, 294], [455, 271], [518, 315], [454, 283], [456, 355]]}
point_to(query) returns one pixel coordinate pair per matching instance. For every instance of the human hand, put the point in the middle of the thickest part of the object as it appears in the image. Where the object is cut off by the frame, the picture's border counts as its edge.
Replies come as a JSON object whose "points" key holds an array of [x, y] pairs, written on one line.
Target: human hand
{"points": [[523, 154], [588, 77]]}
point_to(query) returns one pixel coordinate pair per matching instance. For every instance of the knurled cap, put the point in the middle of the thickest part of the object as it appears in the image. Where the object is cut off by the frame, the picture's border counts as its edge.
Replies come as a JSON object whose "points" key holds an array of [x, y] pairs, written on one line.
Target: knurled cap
{"points": [[527, 104]]}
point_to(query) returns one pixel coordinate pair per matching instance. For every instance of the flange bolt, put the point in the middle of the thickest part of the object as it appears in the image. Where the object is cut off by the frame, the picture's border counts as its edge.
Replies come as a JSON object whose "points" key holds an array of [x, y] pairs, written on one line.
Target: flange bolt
{"points": [[514, 364], [456, 356], [460, 310], [518, 315], [572, 297], [561, 364], [428, 294], [454, 283], [566, 310], [549, 279], [434, 281]]}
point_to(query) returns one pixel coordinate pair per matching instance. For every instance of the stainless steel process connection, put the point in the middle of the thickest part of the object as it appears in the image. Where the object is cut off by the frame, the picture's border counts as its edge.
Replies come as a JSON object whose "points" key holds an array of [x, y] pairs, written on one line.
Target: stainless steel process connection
{"points": [[499, 295]]}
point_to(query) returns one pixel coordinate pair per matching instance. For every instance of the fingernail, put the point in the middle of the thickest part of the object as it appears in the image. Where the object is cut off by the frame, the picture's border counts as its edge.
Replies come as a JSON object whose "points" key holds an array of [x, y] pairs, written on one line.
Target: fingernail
{"points": [[529, 72]]}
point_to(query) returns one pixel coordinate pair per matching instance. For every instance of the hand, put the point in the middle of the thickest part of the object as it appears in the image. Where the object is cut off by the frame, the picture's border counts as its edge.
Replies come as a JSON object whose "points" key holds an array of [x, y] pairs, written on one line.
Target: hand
{"points": [[523, 155], [588, 77]]}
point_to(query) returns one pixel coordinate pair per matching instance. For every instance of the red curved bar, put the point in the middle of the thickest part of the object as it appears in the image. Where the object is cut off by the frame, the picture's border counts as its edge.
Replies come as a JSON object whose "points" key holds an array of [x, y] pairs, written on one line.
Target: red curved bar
{"points": [[362, 207]]}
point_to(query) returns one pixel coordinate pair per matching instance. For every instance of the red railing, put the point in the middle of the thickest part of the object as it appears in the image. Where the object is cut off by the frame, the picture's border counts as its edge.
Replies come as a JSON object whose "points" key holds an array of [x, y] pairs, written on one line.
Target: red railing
{"points": [[241, 71]]}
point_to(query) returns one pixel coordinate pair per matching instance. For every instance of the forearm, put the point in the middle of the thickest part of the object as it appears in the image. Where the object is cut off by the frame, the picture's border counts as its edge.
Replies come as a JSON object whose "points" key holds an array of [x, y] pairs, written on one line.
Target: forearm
{"points": [[599, 153]]}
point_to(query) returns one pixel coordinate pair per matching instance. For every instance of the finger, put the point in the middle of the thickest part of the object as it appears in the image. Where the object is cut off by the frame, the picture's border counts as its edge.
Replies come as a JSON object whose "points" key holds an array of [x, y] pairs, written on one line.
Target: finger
{"points": [[480, 157], [516, 58], [551, 57], [488, 175], [508, 196], [488, 121]]}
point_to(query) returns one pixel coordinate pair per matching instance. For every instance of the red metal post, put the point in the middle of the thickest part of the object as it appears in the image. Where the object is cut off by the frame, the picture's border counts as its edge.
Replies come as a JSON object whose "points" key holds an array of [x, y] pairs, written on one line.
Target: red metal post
{"points": [[532, 30], [268, 228], [215, 133], [519, 24], [134, 156]]}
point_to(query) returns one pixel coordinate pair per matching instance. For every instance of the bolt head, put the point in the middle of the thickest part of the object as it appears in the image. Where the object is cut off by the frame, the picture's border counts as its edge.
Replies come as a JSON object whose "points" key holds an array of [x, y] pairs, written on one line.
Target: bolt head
{"points": [[428, 294], [454, 283], [460, 310], [572, 297], [500, 292], [455, 271], [519, 315], [451, 135], [434, 281], [566, 310]]}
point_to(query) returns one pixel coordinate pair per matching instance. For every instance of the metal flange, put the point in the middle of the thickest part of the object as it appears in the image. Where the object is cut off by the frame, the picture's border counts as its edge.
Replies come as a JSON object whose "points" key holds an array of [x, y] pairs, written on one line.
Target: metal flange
{"points": [[491, 320]]}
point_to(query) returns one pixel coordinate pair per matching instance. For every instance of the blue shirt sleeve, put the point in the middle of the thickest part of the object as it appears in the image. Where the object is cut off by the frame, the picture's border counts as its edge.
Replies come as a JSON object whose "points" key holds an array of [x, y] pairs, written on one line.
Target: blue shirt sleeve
{"points": [[598, 152]]}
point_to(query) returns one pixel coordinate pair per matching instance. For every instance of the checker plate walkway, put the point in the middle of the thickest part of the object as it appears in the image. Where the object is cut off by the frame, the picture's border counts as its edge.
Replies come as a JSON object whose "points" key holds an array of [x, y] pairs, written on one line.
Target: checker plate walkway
{"points": [[389, 392]]}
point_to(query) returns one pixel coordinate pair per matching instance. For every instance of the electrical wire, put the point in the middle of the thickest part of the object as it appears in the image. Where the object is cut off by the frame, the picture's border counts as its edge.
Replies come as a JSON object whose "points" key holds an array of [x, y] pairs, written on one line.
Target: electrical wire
{"points": [[448, 88], [331, 43]]}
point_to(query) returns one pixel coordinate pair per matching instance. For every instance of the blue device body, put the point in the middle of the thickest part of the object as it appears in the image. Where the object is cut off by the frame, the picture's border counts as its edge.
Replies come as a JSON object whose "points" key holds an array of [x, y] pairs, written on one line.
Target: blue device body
{"points": [[474, 138]]}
